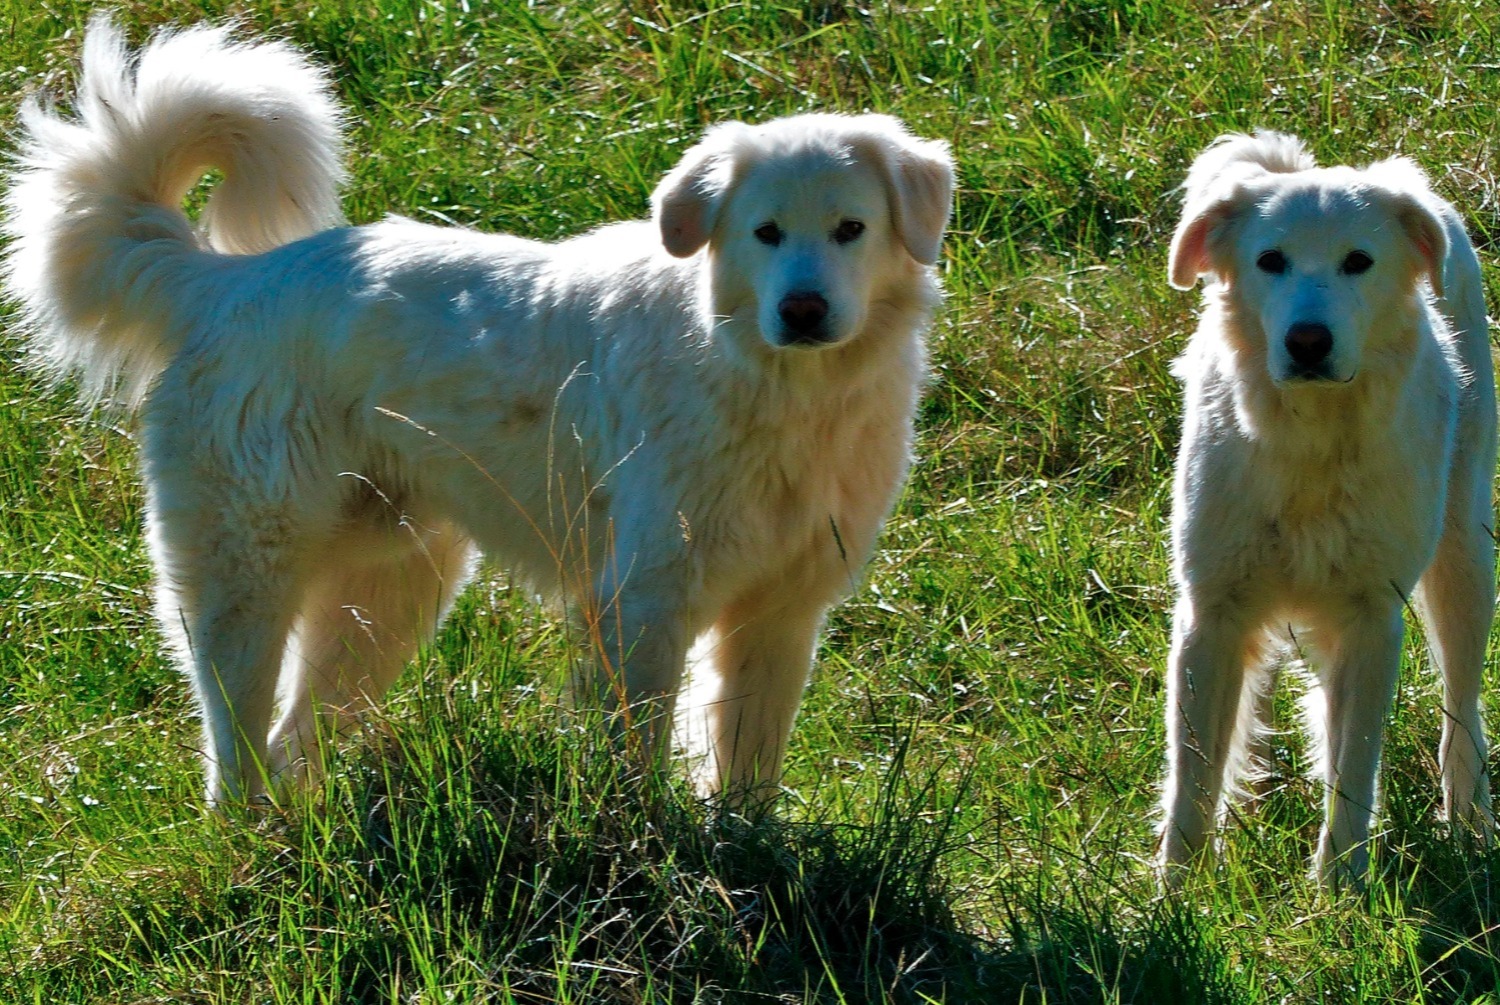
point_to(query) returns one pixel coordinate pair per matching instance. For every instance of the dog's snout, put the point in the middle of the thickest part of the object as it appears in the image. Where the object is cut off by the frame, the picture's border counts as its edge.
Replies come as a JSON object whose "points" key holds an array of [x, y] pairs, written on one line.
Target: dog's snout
{"points": [[803, 314], [1309, 343]]}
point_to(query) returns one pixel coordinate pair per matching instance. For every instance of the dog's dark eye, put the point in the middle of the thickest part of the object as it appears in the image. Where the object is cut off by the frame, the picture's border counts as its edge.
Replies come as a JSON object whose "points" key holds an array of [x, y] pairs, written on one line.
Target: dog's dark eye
{"points": [[1271, 261], [847, 230], [1355, 262], [768, 233]]}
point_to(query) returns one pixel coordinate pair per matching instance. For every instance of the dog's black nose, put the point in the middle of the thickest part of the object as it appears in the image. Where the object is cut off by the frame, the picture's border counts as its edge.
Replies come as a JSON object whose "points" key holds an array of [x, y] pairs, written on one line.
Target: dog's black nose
{"points": [[1309, 343], [803, 315]]}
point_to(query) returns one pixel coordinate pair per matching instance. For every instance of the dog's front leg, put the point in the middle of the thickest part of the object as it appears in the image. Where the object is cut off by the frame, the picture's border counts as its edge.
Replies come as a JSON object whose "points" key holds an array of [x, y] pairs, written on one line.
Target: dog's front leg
{"points": [[1358, 685], [758, 670], [1205, 678], [639, 638]]}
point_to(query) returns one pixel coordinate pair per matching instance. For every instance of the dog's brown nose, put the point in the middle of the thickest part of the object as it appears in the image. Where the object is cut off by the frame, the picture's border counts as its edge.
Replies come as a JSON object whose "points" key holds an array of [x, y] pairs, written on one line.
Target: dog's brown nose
{"points": [[1309, 343], [803, 313]]}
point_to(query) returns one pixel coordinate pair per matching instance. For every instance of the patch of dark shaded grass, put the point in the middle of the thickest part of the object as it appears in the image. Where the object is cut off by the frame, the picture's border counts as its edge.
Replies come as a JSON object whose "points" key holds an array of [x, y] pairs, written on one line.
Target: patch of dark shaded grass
{"points": [[581, 878], [533, 865], [529, 864], [1087, 951]]}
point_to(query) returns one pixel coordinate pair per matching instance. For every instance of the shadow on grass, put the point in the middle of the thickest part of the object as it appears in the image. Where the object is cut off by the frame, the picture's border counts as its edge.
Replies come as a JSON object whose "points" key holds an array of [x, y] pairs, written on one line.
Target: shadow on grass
{"points": [[530, 866], [1448, 890]]}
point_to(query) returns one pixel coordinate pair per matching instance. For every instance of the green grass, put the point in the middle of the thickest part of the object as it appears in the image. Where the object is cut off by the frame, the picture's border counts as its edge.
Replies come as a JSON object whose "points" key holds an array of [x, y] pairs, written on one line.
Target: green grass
{"points": [[971, 787]]}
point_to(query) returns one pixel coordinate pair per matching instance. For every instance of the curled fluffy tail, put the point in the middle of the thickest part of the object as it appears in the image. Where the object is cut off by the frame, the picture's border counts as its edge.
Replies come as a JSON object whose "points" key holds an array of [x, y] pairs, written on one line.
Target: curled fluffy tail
{"points": [[102, 259]]}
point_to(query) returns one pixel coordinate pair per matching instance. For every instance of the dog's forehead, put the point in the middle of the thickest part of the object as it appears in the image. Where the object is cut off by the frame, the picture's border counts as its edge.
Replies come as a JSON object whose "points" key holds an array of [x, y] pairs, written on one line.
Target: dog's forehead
{"points": [[1323, 208], [809, 184]]}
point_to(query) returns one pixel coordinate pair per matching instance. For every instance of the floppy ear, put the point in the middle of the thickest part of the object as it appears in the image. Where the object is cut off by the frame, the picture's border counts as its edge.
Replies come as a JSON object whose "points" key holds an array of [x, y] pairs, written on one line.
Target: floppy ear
{"points": [[1201, 228], [1427, 235], [919, 174], [686, 202]]}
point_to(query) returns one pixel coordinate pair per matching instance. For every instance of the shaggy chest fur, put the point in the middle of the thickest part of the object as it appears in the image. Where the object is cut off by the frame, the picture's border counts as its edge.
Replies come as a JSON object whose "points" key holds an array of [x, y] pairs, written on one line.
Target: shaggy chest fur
{"points": [[790, 482], [1311, 494], [812, 486]]}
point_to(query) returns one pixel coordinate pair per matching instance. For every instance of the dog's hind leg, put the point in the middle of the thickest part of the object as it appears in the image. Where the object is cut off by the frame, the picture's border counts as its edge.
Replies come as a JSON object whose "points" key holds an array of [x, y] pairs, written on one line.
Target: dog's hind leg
{"points": [[1456, 601], [225, 595], [364, 614], [1205, 684], [1357, 684]]}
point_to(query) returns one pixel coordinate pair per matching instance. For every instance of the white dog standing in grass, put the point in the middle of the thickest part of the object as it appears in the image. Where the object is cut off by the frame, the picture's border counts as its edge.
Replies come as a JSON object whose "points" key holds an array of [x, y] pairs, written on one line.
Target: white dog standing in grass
{"points": [[1337, 454], [692, 428]]}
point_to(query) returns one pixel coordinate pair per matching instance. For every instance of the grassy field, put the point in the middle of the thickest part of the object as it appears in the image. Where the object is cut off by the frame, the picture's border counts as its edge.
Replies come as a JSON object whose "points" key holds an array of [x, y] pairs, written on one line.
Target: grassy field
{"points": [[971, 788]]}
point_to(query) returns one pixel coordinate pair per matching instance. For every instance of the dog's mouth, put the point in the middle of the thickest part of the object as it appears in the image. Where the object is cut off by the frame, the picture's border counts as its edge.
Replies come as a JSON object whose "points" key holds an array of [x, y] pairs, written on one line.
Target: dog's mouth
{"points": [[1314, 375], [813, 339]]}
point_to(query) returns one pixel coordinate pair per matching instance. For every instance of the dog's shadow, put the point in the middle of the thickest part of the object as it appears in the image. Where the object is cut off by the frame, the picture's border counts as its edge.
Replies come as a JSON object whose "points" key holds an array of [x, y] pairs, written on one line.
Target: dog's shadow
{"points": [[549, 854]]}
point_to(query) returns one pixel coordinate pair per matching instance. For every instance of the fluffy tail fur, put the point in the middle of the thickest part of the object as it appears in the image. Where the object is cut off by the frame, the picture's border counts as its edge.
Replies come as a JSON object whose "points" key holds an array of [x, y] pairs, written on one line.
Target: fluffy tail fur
{"points": [[99, 244]]}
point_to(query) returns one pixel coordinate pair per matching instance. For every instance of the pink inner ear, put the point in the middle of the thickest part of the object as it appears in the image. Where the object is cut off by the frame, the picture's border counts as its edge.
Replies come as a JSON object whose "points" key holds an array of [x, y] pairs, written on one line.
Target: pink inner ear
{"points": [[682, 229], [924, 200], [1189, 256], [1425, 232], [1429, 252]]}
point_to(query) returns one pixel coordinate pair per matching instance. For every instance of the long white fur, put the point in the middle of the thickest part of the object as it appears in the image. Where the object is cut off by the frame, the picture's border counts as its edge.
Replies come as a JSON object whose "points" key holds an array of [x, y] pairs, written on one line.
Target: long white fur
{"points": [[332, 425], [1306, 511], [140, 141]]}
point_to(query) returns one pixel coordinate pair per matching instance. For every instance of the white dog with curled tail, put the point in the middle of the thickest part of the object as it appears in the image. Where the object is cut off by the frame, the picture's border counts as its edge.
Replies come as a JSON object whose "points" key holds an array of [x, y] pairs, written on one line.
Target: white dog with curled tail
{"points": [[691, 429], [1337, 454]]}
